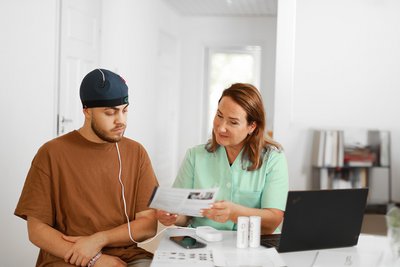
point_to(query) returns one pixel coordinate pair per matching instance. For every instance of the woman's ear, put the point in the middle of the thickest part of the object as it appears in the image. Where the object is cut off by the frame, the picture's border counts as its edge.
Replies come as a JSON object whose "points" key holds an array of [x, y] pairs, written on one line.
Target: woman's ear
{"points": [[252, 127]]}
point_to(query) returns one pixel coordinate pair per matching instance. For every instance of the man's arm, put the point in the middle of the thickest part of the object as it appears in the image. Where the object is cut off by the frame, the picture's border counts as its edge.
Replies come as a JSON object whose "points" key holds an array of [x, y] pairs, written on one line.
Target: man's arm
{"points": [[142, 228], [47, 238], [51, 240]]}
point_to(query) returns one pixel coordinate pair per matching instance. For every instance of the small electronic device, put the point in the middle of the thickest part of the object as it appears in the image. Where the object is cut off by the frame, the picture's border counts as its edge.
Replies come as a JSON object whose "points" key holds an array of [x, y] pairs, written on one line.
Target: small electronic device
{"points": [[208, 233], [187, 242]]}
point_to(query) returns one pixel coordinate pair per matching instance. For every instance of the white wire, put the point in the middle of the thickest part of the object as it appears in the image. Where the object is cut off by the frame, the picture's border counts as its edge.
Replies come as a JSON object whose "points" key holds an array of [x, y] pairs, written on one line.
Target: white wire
{"points": [[102, 74], [126, 213], [123, 194]]}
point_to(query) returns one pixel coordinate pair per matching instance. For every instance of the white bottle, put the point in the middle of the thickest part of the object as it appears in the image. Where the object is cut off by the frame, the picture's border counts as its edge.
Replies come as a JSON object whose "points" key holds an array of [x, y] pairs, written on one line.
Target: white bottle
{"points": [[242, 238], [255, 229]]}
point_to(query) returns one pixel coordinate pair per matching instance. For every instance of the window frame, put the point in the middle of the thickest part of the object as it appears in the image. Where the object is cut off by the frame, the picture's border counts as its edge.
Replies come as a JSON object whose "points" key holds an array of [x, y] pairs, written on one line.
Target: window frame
{"points": [[255, 51]]}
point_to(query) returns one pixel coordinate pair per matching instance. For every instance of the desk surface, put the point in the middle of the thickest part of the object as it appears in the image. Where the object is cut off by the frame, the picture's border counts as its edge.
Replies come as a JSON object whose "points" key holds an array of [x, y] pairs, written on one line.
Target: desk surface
{"points": [[367, 245]]}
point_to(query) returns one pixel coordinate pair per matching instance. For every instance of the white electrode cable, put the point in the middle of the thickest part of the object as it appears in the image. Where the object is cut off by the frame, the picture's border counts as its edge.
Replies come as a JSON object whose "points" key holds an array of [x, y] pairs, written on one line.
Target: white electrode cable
{"points": [[123, 193], [126, 213]]}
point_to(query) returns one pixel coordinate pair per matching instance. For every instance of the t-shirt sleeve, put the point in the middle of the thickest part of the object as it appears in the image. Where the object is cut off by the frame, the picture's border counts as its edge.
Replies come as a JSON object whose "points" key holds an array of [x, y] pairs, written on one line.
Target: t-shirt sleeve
{"points": [[147, 182], [277, 182], [36, 198], [185, 176]]}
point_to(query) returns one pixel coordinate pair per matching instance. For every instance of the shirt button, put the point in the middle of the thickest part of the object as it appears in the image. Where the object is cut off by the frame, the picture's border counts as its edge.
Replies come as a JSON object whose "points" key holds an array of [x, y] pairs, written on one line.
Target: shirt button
{"points": [[228, 185]]}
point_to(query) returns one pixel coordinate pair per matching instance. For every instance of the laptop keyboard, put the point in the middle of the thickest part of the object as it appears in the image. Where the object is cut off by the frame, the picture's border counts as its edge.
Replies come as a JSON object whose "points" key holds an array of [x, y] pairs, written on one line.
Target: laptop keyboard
{"points": [[270, 241]]}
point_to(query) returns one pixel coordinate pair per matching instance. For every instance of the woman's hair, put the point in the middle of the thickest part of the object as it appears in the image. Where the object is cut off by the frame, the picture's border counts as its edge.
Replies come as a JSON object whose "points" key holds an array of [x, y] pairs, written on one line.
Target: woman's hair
{"points": [[256, 144]]}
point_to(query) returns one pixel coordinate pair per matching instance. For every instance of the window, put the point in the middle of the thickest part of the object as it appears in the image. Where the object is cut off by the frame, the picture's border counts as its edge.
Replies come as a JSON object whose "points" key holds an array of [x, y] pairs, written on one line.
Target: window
{"points": [[224, 67]]}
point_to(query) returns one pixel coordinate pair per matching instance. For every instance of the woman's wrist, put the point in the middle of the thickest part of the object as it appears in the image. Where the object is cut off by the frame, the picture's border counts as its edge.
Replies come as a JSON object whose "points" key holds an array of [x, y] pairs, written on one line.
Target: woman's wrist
{"points": [[236, 212]]}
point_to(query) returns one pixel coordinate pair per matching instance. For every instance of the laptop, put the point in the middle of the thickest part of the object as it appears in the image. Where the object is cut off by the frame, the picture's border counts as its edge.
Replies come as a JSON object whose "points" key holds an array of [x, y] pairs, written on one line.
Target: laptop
{"points": [[320, 219]]}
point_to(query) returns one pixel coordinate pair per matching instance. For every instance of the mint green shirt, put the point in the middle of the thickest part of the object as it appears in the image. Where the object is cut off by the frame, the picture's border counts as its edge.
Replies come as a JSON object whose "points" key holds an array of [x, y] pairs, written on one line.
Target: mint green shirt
{"points": [[266, 187]]}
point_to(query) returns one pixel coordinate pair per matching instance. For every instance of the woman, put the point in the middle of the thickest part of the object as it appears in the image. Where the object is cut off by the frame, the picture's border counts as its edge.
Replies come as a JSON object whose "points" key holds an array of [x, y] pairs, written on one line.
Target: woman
{"points": [[249, 168]]}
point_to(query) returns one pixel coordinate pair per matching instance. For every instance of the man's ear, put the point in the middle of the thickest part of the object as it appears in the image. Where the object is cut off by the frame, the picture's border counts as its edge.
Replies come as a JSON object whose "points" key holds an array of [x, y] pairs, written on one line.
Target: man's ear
{"points": [[87, 112]]}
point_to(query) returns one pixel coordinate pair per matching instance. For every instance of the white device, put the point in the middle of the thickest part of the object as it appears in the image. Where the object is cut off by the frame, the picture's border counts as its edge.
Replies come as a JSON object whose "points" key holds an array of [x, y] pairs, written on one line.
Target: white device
{"points": [[254, 231], [242, 235], [208, 233]]}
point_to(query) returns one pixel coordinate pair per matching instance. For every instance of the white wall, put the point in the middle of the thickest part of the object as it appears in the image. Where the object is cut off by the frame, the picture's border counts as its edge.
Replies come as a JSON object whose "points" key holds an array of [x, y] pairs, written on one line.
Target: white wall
{"points": [[136, 26], [338, 66], [341, 49], [202, 32], [28, 68], [134, 34]]}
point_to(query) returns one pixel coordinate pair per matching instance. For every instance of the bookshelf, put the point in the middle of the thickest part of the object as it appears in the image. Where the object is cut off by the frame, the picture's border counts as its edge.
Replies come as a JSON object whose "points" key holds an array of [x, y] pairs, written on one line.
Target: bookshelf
{"points": [[342, 159]]}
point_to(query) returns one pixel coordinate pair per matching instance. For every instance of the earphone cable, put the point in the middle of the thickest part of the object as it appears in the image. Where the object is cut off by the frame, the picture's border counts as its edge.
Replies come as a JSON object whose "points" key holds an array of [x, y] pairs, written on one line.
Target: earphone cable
{"points": [[126, 213]]}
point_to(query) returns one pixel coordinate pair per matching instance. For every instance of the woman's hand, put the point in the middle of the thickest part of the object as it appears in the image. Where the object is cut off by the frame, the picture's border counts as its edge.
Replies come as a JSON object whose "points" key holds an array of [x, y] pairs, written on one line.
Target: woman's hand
{"points": [[83, 249], [166, 218], [222, 211]]}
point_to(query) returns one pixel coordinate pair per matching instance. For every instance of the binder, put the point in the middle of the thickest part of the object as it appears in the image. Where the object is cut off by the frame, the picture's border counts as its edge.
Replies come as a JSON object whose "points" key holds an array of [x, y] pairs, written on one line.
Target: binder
{"points": [[340, 149], [328, 149], [384, 152], [318, 148]]}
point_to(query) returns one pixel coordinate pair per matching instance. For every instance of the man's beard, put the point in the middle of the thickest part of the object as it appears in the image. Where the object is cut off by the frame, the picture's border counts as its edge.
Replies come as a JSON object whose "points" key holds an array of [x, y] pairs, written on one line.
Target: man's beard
{"points": [[102, 134]]}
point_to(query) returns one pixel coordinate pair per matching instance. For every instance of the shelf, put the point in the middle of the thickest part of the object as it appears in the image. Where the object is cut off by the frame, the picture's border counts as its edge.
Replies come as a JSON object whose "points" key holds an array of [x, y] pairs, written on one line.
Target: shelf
{"points": [[350, 167], [331, 152], [376, 208]]}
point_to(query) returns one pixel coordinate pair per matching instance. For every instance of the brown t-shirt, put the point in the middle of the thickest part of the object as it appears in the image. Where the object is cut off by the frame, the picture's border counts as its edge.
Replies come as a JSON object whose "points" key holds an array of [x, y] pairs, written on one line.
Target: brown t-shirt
{"points": [[73, 186]]}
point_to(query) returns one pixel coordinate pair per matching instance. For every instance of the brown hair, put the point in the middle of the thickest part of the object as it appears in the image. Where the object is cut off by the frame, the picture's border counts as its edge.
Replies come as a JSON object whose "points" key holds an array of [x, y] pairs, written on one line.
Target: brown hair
{"points": [[256, 144]]}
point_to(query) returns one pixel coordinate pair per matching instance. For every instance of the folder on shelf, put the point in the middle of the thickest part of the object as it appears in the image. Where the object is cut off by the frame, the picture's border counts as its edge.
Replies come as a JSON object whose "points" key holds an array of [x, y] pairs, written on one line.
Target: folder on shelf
{"points": [[340, 148], [318, 148], [330, 155], [384, 159]]}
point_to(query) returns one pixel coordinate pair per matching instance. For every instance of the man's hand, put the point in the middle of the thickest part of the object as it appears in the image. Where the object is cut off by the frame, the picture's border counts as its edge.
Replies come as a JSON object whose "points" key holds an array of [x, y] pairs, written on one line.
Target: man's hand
{"points": [[166, 218], [83, 249]]}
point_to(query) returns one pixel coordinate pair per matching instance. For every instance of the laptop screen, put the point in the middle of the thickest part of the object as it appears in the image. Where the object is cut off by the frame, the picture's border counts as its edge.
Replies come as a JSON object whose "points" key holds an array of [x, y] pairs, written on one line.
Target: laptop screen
{"points": [[322, 219]]}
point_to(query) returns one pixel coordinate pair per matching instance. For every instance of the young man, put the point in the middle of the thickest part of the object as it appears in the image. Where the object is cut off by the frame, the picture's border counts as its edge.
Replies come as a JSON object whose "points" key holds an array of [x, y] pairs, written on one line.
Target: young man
{"points": [[85, 196]]}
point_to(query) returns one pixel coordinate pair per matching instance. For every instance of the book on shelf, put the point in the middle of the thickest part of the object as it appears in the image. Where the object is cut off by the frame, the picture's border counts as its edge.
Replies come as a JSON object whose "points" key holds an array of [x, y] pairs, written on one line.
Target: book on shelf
{"points": [[384, 159], [340, 148], [359, 178], [379, 142], [325, 181], [342, 179], [330, 159], [359, 157], [328, 148], [318, 148], [359, 163]]}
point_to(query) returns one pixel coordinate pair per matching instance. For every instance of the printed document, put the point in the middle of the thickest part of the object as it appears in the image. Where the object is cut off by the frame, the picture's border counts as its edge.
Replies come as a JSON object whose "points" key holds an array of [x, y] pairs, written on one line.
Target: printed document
{"points": [[183, 201], [333, 258], [261, 257]]}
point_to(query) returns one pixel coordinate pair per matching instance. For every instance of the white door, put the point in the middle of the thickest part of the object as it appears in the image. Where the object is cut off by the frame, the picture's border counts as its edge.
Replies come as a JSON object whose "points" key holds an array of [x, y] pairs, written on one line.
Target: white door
{"points": [[79, 54]]}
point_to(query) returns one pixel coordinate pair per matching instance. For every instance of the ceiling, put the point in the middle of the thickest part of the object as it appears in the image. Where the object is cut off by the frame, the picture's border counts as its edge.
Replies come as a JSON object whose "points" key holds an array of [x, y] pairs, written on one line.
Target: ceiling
{"points": [[224, 7]]}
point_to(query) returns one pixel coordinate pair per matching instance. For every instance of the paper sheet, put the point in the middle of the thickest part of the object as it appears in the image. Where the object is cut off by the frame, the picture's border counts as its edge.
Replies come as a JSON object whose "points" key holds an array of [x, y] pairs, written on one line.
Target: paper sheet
{"points": [[247, 257], [329, 258], [183, 201], [198, 258]]}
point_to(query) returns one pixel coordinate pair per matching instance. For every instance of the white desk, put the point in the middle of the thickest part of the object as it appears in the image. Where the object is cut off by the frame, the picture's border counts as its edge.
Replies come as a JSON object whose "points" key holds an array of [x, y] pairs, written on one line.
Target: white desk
{"points": [[366, 244]]}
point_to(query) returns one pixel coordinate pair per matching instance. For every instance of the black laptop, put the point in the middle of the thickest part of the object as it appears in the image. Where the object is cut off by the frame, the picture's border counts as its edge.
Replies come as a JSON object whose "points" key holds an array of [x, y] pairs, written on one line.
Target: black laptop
{"points": [[320, 219]]}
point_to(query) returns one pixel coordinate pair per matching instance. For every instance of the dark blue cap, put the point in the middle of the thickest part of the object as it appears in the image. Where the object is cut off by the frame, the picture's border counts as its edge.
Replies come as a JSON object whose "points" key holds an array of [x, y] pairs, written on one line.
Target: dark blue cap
{"points": [[103, 88]]}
